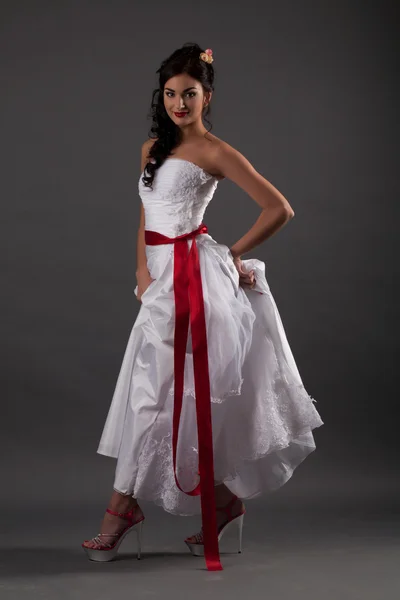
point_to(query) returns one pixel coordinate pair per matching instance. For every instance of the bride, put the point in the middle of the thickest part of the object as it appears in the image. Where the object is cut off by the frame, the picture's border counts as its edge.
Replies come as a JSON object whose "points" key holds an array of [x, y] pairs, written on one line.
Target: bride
{"points": [[209, 408]]}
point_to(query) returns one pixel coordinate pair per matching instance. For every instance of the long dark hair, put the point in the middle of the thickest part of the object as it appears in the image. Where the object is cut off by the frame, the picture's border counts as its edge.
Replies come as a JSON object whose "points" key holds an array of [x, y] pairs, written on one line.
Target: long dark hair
{"points": [[183, 60]]}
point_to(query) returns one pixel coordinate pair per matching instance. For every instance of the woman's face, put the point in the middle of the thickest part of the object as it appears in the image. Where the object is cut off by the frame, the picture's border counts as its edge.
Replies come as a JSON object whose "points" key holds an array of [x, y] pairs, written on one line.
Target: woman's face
{"points": [[184, 99]]}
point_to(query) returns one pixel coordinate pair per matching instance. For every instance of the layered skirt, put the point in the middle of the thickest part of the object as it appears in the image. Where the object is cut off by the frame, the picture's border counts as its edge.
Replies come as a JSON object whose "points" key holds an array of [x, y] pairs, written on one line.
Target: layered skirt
{"points": [[262, 416]]}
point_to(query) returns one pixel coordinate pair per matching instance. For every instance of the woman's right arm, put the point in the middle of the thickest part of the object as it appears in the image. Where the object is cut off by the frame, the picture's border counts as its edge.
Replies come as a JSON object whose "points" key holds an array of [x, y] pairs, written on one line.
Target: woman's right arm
{"points": [[142, 273]]}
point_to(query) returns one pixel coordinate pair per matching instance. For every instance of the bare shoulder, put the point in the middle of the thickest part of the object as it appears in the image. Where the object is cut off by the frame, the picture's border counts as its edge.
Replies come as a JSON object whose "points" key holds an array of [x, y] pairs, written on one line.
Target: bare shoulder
{"points": [[228, 160], [208, 155], [233, 165]]}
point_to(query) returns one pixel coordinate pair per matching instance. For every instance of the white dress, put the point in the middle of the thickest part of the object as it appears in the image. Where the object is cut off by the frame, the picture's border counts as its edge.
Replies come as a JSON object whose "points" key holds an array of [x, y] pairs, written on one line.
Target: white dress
{"points": [[262, 416]]}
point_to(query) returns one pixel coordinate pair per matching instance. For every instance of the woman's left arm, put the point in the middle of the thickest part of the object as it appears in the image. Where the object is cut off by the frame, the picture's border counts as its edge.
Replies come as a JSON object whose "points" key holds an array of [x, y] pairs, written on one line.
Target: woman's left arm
{"points": [[276, 210]]}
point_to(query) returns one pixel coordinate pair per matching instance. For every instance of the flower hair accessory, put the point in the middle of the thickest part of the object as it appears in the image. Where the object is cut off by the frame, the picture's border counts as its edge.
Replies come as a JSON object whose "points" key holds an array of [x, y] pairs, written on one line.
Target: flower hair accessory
{"points": [[207, 56]]}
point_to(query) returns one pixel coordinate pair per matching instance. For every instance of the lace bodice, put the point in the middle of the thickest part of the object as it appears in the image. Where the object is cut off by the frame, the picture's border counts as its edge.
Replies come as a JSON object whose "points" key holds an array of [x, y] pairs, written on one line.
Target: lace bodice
{"points": [[181, 193]]}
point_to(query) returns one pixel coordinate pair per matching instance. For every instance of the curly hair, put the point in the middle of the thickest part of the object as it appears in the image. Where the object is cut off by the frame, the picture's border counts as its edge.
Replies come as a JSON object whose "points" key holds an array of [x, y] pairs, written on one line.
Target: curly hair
{"points": [[183, 60]]}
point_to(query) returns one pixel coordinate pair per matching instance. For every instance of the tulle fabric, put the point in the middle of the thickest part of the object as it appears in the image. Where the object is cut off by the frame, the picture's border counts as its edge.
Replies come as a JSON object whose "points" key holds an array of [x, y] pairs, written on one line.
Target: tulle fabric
{"points": [[262, 416]]}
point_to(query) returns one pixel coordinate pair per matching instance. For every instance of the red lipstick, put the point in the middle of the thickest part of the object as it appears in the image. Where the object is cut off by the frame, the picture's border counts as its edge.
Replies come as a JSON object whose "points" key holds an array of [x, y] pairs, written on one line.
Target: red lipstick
{"points": [[180, 114]]}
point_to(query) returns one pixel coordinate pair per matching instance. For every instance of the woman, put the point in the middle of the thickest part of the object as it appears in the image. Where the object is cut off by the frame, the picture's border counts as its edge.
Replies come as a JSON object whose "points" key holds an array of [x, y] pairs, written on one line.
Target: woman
{"points": [[204, 416]]}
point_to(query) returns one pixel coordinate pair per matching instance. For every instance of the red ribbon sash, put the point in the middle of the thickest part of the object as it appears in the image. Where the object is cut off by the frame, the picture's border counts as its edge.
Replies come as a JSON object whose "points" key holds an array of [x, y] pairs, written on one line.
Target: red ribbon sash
{"points": [[189, 306]]}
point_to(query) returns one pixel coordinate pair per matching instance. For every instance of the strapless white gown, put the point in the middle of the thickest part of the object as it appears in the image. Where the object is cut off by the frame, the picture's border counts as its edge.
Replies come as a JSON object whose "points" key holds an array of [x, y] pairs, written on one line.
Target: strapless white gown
{"points": [[262, 416]]}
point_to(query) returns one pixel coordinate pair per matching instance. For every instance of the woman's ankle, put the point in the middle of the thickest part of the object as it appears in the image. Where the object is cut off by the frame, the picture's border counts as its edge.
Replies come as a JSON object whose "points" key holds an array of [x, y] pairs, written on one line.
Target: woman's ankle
{"points": [[122, 502], [223, 495]]}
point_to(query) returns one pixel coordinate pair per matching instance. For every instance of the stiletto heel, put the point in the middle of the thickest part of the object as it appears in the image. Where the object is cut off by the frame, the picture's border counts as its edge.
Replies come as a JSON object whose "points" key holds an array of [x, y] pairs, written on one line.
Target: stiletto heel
{"points": [[106, 551], [240, 527], [197, 547], [139, 531]]}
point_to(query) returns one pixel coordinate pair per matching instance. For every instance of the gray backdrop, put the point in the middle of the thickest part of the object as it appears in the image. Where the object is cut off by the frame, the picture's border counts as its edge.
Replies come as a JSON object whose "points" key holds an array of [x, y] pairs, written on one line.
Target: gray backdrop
{"points": [[306, 91]]}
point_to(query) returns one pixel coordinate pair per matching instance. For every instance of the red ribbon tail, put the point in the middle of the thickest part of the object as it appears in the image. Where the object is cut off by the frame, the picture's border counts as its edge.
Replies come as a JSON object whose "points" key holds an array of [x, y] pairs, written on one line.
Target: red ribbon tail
{"points": [[189, 308], [203, 410]]}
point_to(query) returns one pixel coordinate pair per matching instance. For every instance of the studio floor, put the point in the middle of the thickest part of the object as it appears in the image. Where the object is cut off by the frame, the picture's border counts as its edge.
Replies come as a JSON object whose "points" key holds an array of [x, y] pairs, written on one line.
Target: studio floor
{"points": [[332, 549]]}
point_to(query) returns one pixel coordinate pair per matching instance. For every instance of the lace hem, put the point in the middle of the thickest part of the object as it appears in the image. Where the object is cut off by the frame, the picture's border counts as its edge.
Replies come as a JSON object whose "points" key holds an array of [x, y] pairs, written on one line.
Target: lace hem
{"points": [[161, 499], [155, 480]]}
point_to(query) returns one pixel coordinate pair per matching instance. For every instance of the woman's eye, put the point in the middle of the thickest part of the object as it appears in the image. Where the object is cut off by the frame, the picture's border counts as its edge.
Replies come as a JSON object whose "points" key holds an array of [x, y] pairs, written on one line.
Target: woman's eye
{"points": [[170, 94]]}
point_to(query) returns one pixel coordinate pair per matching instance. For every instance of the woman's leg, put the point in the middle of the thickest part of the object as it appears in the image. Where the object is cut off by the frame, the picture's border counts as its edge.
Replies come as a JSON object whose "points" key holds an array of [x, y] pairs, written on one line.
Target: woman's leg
{"points": [[223, 496], [121, 503]]}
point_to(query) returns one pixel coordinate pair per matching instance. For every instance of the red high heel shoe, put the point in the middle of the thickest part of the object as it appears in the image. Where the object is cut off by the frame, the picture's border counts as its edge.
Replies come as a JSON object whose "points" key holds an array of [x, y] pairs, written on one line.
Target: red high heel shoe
{"points": [[197, 547], [106, 551]]}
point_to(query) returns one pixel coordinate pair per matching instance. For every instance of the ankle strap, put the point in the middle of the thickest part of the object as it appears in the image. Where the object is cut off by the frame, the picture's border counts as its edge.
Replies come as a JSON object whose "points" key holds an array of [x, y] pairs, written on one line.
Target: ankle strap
{"points": [[126, 515]]}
